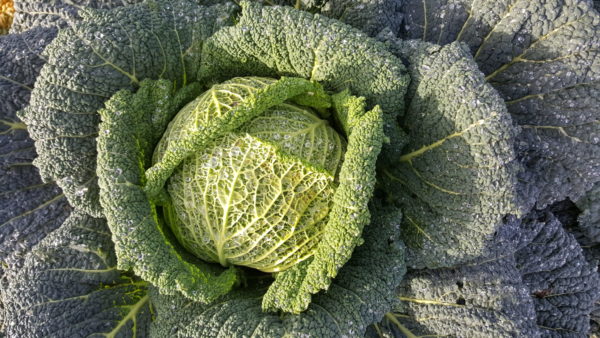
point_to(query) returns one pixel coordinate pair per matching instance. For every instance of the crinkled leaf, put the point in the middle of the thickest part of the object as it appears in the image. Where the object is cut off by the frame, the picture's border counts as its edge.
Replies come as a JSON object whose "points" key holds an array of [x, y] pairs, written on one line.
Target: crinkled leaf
{"points": [[29, 208], [309, 46], [455, 180], [564, 286], [370, 16], [131, 124], [69, 286], [539, 284], [255, 96], [543, 58], [360, 295], [55, 13], [88, 62], [485, 299], [292, 288]]}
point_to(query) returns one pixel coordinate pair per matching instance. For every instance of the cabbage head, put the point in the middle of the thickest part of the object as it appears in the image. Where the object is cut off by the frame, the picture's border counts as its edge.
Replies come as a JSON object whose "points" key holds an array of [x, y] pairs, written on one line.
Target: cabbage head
{"points": [[258, 197], [245, 174]]}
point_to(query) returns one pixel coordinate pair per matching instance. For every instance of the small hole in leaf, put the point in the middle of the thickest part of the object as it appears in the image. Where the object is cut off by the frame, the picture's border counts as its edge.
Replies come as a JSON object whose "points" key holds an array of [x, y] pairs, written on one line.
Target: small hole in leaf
{"points": [[460, 284], [460, 301]]}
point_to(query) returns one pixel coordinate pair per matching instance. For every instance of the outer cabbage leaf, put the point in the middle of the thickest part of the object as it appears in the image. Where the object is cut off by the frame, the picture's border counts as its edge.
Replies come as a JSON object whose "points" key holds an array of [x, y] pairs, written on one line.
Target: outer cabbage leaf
{"points": [[360, 295], [69, 286], [575, 222], [538, 284], [24, 200], [55, 13], [587, 234], [543, 58], [313, 47], [88, 62], [29, 208], [370, 16], [485, 299], [562, 283], [131, 126], [308, 46], [455, 180]]}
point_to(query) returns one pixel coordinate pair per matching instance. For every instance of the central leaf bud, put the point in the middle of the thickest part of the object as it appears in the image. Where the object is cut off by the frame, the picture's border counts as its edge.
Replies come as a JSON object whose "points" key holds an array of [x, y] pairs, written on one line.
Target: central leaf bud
{"points": [[259, 196]]}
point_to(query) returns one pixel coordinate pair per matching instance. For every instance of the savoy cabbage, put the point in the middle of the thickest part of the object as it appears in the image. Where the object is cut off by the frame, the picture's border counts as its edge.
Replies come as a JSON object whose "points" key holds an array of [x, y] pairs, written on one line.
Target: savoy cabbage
{"points": [[203, 168]]}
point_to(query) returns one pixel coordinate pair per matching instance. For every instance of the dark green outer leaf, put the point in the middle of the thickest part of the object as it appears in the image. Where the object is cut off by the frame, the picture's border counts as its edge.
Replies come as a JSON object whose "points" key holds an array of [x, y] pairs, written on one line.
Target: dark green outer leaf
{"points": [[87, 63], [55, 13], [370, 16], [29, 208], [563, 284], [543, 58], [360, 295], [69, 286], [486, 299], [24, 200], [538, 284], [456, 178]]}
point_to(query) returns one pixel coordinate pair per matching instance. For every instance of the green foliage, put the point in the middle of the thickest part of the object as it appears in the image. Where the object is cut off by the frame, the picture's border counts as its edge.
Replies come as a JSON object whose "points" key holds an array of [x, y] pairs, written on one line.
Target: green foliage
{"points": [[543, 59], [447, 180], [69, 285], [455, 180], [538, 284], [360, 294], [89, 62], [123, 154]]}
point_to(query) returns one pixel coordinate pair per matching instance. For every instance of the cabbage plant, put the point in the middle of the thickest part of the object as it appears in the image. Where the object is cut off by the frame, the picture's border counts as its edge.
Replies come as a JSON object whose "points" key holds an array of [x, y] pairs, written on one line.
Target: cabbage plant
{"points": [[329, 168], [252, 181]]}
